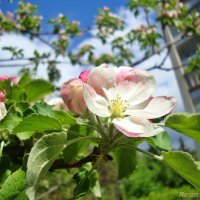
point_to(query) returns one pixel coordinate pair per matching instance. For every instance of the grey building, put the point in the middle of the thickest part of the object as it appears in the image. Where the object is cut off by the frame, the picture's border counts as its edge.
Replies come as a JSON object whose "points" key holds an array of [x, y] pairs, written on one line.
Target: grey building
{"points": [[184, 50], [180, 54]]}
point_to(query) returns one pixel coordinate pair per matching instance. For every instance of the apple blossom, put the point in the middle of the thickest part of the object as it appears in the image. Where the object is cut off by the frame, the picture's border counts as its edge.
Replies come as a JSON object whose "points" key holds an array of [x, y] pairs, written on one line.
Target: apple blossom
{"points": [[3, 110], [125, 95], [72, 95]]}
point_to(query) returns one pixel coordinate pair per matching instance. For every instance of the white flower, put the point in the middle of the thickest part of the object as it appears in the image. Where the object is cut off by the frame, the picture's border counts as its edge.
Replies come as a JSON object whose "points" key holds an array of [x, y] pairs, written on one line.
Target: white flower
{"points": [[124, 95]]}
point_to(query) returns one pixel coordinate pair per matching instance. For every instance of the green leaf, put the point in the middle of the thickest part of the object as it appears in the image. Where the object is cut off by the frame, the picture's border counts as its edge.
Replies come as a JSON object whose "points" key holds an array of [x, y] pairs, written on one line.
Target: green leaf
{"points": [[188, 124], [16, 93], [13, 186], [26, 78], [126, 161], [95, 187], [83, 184], [4, 168], [38, 123], [22, 196], [185, 165], [45, 151], [70, 152], [63, 117], [11, 120], [24, 135], [161, 141], [37, 89], [5, 85]]}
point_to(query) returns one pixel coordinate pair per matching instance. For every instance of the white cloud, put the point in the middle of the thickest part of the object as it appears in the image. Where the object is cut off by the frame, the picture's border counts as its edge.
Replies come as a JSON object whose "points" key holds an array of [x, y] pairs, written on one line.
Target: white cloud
{"points": [[29, 46]]}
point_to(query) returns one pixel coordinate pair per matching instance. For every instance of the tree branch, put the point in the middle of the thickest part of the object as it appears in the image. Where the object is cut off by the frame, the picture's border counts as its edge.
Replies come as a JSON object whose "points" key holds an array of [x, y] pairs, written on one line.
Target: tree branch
{"points": [[159, 50], [60, 164]]}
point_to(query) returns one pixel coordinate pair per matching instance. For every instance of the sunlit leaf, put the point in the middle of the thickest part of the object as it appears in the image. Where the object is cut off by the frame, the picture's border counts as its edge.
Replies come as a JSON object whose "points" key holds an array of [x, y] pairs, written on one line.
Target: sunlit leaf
{"points": [[185, 165], [188, 124], [13, 186], [42, 155]]}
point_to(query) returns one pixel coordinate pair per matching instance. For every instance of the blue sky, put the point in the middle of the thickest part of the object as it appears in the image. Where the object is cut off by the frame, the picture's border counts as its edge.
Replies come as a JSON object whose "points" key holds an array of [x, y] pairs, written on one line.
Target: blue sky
{"points": [[83, 11], [79, 10]]}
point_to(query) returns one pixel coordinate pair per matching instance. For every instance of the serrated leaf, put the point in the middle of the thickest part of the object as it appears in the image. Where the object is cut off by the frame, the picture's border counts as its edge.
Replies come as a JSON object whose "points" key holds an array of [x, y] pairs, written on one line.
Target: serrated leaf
{"points": [[37, 89], [126, 161], [188, 124], [37, 123], [13, 186], [11, 120], [26, 78], [185, 165], [42, 155], [161, 141], [63, 117]]}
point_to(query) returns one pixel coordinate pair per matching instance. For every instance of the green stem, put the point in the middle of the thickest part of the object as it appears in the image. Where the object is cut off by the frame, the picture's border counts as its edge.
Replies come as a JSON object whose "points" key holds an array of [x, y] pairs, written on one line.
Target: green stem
{"points": [[97, 122], [118, 137], [100, 127], [142, 151], [96, 139]]}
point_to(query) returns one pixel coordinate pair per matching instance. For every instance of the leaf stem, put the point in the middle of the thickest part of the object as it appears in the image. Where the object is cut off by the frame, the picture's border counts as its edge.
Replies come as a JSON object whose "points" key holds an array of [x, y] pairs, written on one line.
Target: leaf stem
{"points": [[83, 138], [142, 151]]}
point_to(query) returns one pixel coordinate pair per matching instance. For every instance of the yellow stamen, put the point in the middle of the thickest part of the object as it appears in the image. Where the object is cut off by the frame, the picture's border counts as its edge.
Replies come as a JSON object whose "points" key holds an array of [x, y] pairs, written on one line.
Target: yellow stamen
{"points": [[117, 107]]}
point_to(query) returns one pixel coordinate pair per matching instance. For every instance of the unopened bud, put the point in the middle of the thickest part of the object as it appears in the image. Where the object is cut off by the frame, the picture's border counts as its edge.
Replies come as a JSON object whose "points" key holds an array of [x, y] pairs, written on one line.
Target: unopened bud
{"points": [[72, 95]]}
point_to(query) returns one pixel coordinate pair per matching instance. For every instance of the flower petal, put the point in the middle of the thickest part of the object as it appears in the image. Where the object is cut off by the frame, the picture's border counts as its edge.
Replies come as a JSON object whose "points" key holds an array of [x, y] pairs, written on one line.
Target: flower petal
{"points": [[139, 84], [95, 103], [153, 108], [102, 77], [136, 127]]}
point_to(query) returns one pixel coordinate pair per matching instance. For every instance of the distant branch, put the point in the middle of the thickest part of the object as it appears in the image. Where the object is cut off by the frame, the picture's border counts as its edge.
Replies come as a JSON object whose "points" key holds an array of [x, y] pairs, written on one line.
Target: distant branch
{"points": [[159, 50]]}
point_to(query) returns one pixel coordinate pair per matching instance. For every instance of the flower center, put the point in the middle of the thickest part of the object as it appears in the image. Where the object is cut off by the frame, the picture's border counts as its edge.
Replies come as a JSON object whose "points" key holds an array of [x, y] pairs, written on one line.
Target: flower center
{"points": [[117, 107]]}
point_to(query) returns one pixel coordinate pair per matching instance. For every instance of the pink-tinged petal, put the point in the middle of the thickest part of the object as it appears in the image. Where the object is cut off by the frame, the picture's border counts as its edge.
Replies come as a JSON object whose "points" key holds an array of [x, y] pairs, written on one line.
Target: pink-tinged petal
{"points": [[135, 86], [72, 95], [102, 77], [122, 73], [84, 76], [95, 103], [3, 78], [136, 127], [153, 108]]}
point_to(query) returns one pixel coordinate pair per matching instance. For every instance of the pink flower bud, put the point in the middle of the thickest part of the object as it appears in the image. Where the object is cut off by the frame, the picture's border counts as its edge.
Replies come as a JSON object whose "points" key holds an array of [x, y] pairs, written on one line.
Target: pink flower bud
{"points": [[84, 76], [72, 95], [3, 78], [2, 96], [13, 79]]}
